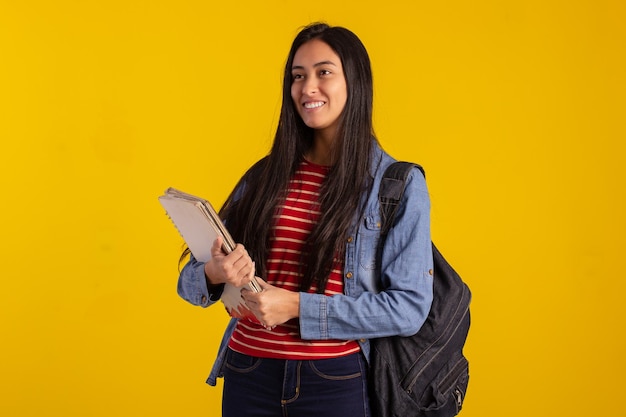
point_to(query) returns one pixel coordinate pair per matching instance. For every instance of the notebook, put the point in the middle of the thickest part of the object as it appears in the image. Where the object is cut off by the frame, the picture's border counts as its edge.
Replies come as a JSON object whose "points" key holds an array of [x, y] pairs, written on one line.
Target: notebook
{"points": [[199, 225]]}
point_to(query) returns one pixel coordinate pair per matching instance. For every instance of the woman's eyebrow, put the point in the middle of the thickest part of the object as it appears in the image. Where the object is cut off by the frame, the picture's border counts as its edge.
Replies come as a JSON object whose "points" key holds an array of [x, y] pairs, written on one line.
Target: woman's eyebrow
{"points": [[319, 64]]}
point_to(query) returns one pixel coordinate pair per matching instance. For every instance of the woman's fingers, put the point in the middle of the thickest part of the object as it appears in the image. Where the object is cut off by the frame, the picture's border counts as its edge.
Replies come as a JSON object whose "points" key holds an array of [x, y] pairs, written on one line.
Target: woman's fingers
{"points": [[242, 266]]}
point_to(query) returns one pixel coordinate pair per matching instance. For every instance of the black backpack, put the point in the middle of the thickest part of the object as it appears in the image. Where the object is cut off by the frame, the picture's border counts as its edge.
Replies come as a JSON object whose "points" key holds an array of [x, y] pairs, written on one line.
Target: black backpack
{"points": [[424, 375]]}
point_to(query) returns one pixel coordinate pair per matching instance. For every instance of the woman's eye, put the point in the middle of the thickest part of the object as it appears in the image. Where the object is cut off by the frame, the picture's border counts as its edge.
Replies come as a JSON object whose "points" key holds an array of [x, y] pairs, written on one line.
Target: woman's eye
{"points": [[297, 76], [325, 72]]}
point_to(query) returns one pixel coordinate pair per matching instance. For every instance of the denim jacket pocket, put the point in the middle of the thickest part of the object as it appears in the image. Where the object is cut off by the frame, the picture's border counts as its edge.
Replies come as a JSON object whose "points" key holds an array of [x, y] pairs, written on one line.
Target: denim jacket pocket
{"points": [[368, 242]]}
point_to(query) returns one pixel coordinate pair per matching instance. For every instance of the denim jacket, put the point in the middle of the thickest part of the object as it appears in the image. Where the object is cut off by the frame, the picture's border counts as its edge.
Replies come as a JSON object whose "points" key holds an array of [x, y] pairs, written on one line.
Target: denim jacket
{"points": [[384, 297]]}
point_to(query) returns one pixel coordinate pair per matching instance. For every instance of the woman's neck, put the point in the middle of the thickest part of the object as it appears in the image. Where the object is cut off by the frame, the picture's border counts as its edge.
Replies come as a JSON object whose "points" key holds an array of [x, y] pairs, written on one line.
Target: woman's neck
{"points": [[321, 152]]}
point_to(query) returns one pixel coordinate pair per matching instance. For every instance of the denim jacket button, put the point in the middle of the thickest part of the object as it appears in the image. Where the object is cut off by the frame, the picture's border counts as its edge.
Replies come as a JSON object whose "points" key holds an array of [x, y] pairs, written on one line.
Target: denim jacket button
{"points": [[349, 275], [350, 239], [203, 299]]}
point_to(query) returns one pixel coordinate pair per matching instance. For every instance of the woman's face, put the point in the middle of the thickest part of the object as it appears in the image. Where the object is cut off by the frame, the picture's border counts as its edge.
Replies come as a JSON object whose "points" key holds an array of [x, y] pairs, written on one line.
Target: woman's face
{"points": [[319, 89]]}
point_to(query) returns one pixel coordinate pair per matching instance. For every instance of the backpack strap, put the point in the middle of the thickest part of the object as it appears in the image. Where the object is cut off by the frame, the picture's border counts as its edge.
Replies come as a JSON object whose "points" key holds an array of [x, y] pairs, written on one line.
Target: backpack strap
{"points": [[391, 191]]}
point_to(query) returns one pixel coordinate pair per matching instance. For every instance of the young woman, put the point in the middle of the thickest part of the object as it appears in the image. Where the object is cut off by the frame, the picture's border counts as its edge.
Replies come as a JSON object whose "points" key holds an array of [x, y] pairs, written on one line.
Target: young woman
{"points": [[307, 218]]}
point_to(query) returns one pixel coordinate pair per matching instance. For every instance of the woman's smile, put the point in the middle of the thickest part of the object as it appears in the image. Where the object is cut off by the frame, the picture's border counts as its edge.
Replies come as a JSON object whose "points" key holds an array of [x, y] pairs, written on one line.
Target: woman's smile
{"points": [[313, 105]]}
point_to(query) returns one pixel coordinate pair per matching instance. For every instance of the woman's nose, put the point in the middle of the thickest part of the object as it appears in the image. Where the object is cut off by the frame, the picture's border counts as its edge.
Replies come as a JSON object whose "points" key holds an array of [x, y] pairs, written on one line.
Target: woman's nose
{"points": [[309, 86]]}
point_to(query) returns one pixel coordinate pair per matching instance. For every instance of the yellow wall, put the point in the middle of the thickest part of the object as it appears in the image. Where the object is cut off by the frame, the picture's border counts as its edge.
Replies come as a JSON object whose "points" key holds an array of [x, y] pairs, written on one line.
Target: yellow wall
{"points": [[516, 109]]}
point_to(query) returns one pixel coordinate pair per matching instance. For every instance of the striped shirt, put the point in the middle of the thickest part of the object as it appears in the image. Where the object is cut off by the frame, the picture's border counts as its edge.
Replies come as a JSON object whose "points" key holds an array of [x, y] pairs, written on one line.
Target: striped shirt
{"points": [[292, 226]]}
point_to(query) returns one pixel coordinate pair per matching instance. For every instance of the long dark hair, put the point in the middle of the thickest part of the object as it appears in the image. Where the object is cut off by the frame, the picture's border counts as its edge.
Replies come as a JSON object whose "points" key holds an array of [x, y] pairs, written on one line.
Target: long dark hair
{"points": [[249, 217]]}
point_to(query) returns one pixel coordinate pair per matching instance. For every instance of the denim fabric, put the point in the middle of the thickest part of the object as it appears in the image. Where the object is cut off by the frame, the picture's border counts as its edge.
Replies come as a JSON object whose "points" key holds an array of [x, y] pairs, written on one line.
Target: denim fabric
{"points": [[385, 294], [262, 387]]}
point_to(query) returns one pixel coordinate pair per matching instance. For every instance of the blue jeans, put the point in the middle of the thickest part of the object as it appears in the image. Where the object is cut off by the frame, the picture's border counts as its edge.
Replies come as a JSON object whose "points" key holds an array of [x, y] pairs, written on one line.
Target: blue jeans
{"points": [[260, 387]]}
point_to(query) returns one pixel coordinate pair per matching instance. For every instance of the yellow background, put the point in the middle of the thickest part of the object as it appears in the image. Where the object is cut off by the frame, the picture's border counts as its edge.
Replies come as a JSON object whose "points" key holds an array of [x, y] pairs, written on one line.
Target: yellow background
{"points": [[516, 109]]}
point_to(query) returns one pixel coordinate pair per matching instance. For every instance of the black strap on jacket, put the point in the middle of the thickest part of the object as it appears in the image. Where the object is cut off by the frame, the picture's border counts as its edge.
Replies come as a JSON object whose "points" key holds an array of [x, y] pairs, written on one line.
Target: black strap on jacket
{"points": [[392, 190]]}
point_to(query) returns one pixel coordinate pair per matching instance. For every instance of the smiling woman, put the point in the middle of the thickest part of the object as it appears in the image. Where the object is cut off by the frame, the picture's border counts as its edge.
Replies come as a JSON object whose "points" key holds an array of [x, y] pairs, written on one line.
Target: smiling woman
{"points": [[327, 288]]}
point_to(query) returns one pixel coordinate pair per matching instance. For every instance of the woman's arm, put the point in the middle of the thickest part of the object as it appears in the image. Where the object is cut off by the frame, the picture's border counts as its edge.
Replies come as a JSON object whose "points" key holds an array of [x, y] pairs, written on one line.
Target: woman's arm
{"points": [[406, 280]]}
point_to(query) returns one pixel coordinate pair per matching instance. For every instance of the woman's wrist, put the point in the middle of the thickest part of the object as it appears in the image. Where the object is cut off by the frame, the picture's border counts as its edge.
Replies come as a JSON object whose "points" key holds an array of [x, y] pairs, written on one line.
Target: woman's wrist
{"points": [[208, 274], [214, 289], [295, 312]]}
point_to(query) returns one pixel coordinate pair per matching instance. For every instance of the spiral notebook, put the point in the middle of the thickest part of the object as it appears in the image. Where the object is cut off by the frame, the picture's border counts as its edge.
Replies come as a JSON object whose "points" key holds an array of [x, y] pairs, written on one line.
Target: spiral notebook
{"points": [[199, 225]]}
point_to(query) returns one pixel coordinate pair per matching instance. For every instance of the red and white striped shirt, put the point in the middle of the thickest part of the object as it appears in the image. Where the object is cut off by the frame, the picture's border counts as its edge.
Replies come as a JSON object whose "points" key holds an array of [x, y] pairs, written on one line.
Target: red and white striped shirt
{"points": [[292, 226]]}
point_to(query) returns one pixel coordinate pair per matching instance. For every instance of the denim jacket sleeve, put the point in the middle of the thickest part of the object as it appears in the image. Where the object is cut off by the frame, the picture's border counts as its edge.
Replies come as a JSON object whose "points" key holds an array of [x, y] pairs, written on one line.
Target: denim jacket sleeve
{"points": [[384, 295], [192, 285]]}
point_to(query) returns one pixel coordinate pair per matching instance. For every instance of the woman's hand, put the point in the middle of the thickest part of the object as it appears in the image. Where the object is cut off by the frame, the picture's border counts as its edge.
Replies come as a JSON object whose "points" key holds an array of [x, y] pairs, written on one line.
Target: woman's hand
{"points": [[235, 268], [273, 305]]}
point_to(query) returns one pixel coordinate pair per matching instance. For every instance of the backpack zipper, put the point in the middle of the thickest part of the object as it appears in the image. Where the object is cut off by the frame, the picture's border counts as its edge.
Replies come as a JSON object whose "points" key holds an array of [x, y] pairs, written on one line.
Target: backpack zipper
{"points": [[459, 398]]}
